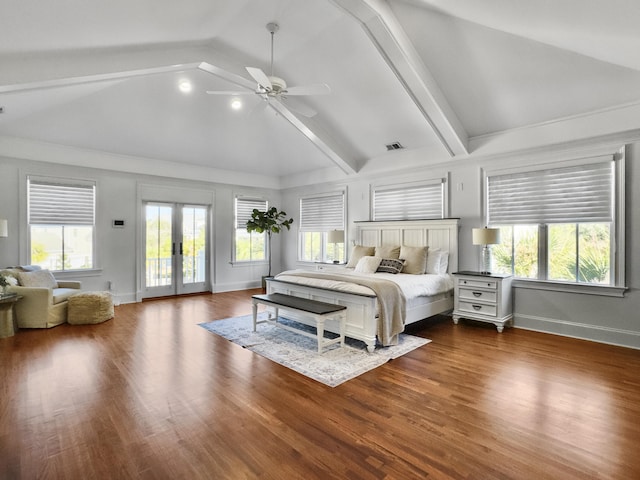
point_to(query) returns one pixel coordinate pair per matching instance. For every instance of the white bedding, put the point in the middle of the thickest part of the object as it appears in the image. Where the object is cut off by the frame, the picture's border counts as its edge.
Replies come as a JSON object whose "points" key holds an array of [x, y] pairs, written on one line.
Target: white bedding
{"points": [[412, 286]]}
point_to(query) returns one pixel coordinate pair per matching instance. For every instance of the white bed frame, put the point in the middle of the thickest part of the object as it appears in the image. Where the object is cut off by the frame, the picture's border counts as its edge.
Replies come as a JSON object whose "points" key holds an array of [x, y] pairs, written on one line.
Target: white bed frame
{"points": [[361, 321]]}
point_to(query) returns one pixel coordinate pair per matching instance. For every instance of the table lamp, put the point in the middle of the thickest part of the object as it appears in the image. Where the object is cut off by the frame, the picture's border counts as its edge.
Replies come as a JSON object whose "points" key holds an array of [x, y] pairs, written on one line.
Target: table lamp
{"points": [[486, 237], [335, 237]]}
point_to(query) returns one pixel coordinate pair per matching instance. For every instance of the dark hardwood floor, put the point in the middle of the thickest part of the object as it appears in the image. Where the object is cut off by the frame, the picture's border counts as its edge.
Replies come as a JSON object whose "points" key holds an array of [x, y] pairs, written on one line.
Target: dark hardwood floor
{"points": [[151, 395]]}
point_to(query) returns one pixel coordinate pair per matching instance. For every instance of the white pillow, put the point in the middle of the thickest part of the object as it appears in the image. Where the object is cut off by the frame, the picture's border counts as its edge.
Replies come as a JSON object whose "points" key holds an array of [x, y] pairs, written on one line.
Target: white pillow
{"points": [[444, 262], [368, 264], [433, 260]]}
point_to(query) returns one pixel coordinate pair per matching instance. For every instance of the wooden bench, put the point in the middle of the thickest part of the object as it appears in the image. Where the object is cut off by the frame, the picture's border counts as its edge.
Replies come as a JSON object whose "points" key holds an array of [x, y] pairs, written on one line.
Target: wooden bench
{"points": [[318, 311]]}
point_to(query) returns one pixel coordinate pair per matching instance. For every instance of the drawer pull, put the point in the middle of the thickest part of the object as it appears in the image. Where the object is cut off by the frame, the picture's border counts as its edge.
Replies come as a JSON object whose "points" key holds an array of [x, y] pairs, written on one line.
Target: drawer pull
{"points": [[477, 307], [477, 294]]}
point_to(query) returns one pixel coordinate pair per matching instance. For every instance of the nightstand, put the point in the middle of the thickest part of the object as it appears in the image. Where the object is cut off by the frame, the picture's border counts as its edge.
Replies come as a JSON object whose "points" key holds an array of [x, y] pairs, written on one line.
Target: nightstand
{"points": [[483, 297]]}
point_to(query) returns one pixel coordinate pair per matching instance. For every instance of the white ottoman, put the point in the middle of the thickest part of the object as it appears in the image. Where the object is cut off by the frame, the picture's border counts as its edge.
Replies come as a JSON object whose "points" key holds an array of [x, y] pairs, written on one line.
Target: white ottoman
{"points": [[90, 307]]}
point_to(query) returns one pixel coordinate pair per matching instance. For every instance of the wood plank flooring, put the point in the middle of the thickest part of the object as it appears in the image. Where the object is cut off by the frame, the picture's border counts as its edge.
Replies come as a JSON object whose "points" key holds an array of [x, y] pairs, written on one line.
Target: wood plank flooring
{"points": [[151, 395]]}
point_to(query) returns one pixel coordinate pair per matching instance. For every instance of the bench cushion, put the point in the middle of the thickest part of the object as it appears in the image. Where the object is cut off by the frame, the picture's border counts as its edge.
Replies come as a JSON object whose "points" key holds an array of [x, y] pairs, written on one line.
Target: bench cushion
{"points": [[298, 303]]}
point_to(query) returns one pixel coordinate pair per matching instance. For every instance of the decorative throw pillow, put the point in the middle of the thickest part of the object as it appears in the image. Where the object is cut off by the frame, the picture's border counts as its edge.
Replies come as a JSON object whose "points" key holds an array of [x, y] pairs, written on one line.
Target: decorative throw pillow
{"points": [[433, 260], [357, 253], [388, 251], [415, 259], [390, 265], [368, 264], [38, 278]]}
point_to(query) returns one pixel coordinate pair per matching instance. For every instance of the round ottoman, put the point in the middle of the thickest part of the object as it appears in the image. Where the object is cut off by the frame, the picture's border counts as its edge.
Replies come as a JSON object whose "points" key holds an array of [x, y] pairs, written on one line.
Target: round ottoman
{"points": [[89, 307]]}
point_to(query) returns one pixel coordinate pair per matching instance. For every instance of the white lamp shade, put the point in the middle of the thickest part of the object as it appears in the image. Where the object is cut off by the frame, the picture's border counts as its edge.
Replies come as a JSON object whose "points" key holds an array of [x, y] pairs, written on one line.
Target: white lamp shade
{"points": [[486, 236], [4, 228], [335, 236]]}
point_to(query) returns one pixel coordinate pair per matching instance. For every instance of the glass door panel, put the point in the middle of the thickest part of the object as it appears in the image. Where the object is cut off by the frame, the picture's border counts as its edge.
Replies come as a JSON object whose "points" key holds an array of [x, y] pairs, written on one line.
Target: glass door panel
{"points": [[159, 248], [193, 248]]}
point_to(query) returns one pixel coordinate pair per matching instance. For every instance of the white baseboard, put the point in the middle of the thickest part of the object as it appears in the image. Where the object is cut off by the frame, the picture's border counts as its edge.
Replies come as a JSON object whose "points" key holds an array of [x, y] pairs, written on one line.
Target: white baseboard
{"points": [[232, 287], [583, 331]]}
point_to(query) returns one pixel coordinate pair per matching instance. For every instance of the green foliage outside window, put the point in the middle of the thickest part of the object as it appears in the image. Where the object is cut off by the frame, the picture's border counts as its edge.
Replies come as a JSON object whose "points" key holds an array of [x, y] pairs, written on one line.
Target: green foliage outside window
{"points": [[579, 252]]}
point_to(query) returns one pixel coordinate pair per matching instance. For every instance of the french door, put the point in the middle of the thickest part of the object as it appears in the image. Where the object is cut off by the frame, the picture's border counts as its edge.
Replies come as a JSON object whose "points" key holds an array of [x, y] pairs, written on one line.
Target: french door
{"points": [[175, 249]]}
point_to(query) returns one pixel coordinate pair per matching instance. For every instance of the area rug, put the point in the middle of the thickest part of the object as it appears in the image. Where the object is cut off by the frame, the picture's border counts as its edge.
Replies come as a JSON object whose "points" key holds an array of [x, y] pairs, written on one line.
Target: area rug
{"points": [[297, 352]]}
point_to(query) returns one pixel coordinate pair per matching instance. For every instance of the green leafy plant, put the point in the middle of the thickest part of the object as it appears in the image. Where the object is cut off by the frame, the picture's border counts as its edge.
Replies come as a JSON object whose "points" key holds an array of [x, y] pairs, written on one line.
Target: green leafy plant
{"points": [[270, 221]]}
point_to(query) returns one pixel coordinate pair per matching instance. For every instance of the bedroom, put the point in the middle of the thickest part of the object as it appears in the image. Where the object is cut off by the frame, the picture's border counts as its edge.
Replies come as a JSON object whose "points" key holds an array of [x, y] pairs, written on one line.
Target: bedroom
{"points": [[589, 109]]}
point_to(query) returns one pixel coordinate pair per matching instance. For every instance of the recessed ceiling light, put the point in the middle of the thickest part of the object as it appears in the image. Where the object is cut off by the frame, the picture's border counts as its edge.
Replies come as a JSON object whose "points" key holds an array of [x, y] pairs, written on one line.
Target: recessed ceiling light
{"points": [[184, 86], [236, 103]]}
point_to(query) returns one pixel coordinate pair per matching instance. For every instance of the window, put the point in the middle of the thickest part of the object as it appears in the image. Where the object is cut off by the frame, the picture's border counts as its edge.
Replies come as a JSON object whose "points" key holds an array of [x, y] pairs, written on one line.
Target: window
{"points": [[318, 216], [559, 224], [61, 217], [409, 202], [249, 247]]}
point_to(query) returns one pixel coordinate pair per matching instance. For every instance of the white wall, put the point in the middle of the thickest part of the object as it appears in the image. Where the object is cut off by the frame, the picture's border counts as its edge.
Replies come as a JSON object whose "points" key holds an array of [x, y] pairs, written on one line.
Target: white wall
{"points": [[601, 318], [119, 196], [607, 319]]}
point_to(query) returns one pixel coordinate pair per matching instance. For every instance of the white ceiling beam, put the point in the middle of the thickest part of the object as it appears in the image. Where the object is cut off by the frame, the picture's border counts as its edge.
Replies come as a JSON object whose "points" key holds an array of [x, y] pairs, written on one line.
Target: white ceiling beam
{"points": [[384, 30], [321, 140]]}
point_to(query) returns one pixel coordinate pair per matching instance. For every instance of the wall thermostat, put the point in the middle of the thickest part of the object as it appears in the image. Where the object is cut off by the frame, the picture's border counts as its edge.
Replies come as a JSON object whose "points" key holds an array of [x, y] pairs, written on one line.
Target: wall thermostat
{"points": [[118, 223]]}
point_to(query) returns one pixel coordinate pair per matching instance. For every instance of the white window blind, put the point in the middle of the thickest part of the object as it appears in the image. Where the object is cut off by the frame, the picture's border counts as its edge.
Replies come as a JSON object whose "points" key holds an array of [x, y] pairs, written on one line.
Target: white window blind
{"points": [[321, 214], [244, 209], [563, 195], [408, 203], [61, 203]]}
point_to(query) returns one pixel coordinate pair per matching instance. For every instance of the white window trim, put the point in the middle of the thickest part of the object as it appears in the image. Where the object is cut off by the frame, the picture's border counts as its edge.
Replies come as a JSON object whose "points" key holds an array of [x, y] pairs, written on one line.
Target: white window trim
{"points": [[618, 253], [334, 193], [247, 263], [25, 249]]}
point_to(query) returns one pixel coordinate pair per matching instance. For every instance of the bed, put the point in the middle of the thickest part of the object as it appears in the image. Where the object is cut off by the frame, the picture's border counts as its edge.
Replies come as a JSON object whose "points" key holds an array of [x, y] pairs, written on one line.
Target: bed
{"points": [[422, 295]]}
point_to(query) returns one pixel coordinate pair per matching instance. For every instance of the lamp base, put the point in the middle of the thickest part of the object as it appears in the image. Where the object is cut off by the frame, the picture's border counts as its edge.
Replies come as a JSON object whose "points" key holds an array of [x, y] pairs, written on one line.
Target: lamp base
{"points": [[485, 267]]}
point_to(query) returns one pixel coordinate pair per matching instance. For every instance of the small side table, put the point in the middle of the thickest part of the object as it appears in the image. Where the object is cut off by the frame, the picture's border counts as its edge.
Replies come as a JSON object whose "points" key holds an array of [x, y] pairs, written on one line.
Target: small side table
{"points": [[483, 297], [8, 323]]}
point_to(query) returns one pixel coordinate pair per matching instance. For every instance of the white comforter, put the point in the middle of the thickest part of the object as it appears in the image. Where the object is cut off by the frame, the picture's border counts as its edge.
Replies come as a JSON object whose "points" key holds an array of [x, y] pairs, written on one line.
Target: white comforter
{"points": [[412, 286]]}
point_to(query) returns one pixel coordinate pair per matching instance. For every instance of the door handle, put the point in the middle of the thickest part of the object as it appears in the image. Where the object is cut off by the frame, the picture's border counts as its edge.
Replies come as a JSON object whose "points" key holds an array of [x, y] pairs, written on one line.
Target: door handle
{"points": [[173, 248], [180, 248]]}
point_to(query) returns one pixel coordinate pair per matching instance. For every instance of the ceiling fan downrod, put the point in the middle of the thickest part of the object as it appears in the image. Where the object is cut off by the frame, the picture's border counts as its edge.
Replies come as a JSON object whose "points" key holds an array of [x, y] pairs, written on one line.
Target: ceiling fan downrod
{"points": [[272, 27]]}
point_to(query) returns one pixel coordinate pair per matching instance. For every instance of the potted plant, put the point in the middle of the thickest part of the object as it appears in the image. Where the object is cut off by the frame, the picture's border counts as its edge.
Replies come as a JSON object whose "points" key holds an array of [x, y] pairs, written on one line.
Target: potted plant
{"points": [[270, 221]]}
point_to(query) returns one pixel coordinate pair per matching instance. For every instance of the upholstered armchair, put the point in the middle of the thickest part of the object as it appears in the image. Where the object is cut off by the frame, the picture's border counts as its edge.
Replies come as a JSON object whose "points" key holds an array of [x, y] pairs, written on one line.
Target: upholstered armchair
{"points": [[44, 299]]}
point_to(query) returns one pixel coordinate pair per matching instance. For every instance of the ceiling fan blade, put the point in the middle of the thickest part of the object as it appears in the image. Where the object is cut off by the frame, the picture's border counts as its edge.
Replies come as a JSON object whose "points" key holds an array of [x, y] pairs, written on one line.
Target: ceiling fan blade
{"points": [[315, 89], [297, 106], [228, 92], [260, 77]]}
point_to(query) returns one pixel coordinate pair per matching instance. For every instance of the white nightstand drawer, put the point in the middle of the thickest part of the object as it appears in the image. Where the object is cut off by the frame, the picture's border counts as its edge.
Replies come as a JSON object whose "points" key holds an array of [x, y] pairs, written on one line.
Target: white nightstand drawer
{"points": [[473, 283], [478, 308], [484, 295]]}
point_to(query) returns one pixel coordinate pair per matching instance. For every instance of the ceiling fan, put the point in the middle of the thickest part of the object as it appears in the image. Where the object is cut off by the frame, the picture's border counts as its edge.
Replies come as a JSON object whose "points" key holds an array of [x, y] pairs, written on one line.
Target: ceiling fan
{"points": [[271, 88]]}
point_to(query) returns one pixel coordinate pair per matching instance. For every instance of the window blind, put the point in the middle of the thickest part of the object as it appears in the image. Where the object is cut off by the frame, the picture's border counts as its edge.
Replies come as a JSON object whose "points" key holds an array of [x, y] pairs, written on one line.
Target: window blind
{"points": [[409, 203], [564, 195], [321, 214], [244, 209], [60, 203]]}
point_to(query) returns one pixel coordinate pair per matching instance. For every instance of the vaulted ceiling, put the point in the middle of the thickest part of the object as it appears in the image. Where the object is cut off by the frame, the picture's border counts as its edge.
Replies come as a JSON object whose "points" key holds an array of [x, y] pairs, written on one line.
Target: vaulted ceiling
{"points": [[95, 83]]}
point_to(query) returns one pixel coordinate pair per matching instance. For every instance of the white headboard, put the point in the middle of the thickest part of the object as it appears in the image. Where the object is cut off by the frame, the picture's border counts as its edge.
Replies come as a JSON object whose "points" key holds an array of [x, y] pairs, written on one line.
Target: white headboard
{"points": [[441, 233]]}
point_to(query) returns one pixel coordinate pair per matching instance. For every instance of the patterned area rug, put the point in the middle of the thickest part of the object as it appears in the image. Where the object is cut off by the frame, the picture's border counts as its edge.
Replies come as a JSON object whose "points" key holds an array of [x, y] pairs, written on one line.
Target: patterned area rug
{"points": [[297, 352]]}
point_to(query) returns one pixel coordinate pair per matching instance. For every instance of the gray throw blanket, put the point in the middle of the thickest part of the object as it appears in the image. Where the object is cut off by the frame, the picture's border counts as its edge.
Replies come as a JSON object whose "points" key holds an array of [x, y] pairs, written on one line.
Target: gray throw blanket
{"points": [[391, 302]]}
